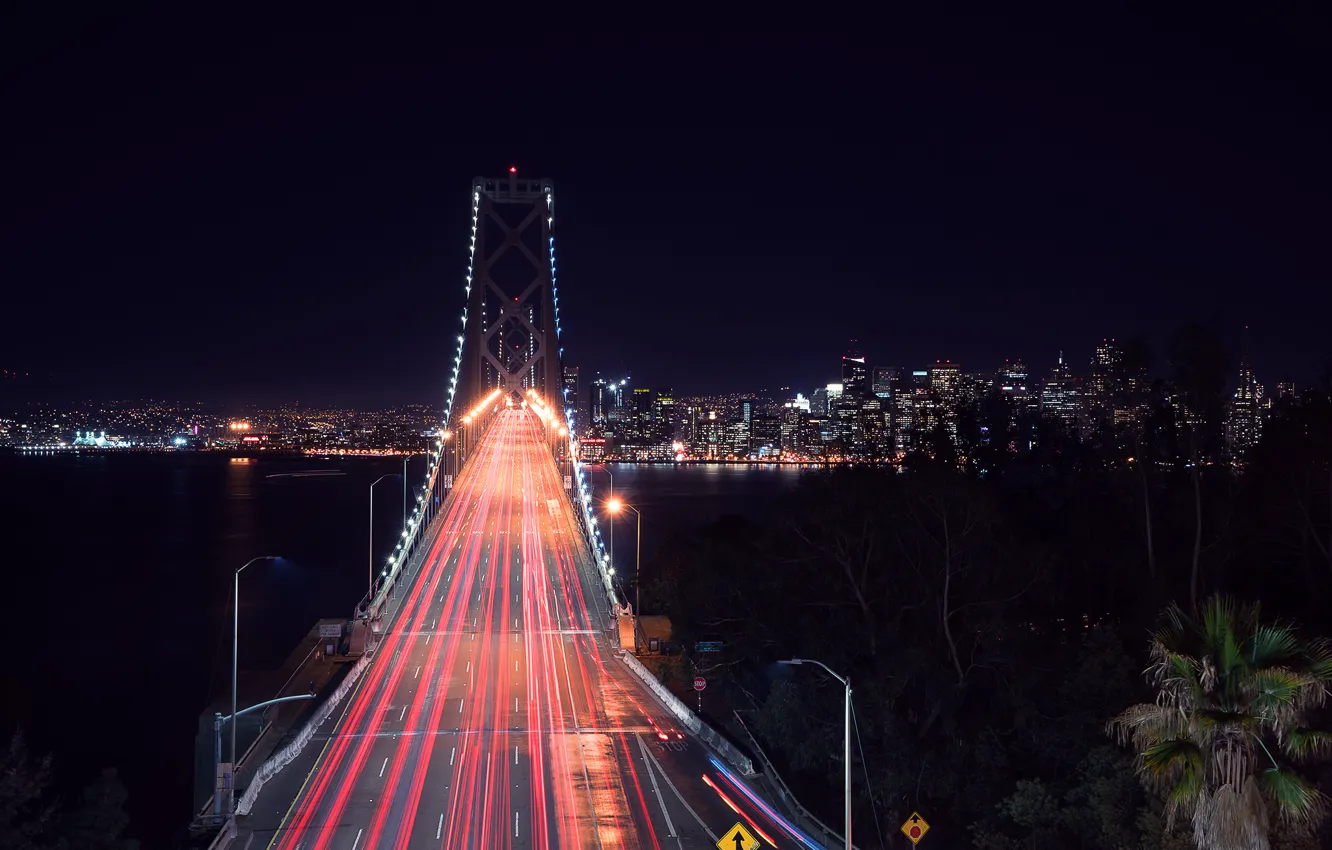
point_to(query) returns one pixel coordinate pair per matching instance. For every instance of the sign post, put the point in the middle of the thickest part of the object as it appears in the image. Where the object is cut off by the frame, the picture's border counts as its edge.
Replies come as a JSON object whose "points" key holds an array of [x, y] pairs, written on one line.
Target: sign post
{"points": [[699, 684]]}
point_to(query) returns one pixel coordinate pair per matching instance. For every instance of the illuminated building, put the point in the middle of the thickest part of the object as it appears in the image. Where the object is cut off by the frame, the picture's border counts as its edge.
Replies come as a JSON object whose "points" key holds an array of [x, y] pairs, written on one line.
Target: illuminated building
{"points": [[599, 399], [946, 390], [884, 376], [1245, 421], [571, 387], [855, 374], [792, 427], [765, 436], [592, 449], [1059, 396]]}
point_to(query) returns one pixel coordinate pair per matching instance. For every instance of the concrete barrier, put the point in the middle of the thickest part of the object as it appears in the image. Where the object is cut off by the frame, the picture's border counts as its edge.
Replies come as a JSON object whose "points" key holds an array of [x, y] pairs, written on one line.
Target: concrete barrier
{"points": [[288, 754], [719, 744]]}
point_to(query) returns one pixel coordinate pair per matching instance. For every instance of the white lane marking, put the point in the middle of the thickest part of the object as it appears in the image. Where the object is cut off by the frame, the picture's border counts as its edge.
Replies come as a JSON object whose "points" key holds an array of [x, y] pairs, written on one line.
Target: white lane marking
{"points": [[469, 667], [439, 829], [670, 827], [515, 622], [402, 713], [460, 705], [453, 752], [381, 767], [671, 785], [515, 665], [358, 838], [428, 634], [515, 824], [515, 705], [515, 753], [418, 673]]}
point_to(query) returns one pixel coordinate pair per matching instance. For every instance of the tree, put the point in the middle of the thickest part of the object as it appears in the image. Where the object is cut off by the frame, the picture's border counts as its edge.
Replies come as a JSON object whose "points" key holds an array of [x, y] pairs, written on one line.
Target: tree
{"points": [[26, 814], [1233, 695], [100, 821]]}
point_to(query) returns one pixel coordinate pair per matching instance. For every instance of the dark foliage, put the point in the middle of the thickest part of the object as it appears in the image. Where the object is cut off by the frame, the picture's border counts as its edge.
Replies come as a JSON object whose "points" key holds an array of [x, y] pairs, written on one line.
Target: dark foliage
{"points": [[992, 603], [31, 818]]}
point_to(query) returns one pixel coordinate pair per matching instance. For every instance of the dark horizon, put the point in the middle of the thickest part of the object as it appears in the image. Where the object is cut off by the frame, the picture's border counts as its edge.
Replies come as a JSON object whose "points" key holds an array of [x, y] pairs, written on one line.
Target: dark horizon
{"points": [[291, 225]]}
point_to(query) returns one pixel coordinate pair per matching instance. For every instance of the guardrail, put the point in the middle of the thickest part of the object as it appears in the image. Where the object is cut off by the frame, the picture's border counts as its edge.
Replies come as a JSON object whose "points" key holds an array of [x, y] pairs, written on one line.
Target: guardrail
{"points": [[778, 787], [714, 739], [287, 754]]}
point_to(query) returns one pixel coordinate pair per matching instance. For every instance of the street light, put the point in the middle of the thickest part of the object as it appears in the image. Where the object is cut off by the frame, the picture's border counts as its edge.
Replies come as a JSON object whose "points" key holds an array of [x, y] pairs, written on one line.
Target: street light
{"points": [[847, 754], [370, 593], [235, 648], [615, 506]]}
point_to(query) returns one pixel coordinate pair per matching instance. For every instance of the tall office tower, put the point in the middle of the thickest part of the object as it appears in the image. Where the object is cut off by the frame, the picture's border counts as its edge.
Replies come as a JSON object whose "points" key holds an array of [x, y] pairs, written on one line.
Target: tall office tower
{"points": [[617, 411], [663, 416], [1012, 382], [571, 386], [1245, 421], [765, 436], [1105, 384], [903, 413], [640, 413], [749, 408], [793, 417], [599, 399], [855, 374], [818, 402], [1285, 389], [946, 388], [876, 427], [884, 376], [1059, 396], [709, 430]]}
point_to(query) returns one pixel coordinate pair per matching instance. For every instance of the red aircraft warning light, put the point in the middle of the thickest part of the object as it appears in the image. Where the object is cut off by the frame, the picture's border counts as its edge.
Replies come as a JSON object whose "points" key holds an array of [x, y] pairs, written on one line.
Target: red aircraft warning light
{"points": [[513, 169]]}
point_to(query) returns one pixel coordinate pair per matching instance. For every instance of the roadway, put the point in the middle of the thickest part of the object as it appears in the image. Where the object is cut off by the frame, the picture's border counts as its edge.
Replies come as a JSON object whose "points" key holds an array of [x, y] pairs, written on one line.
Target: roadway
{"points": [[496, 713]]}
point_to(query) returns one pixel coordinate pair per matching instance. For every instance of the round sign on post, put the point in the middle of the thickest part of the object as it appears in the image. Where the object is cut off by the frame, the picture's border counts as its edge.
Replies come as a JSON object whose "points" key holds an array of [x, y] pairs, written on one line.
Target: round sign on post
{"points": [[700, 683]]}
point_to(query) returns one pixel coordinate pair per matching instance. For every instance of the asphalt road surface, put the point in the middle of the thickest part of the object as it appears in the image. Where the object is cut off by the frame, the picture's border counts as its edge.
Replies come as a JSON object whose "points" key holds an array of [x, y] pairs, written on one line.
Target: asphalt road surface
{"points": [[497, 713]]}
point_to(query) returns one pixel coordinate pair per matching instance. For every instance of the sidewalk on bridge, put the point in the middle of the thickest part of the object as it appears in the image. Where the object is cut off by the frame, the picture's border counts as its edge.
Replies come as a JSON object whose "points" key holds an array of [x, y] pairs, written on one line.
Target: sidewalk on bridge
{"points": [[304, 669]]}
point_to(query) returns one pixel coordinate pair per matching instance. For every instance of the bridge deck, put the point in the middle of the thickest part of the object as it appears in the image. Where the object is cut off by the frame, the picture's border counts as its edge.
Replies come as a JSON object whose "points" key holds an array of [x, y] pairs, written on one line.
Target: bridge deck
{"points": [[496, 713]]}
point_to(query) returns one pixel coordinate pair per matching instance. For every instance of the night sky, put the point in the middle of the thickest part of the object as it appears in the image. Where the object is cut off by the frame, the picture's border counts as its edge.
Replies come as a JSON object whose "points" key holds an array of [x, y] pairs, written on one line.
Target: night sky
{"points": [[266, 211]]}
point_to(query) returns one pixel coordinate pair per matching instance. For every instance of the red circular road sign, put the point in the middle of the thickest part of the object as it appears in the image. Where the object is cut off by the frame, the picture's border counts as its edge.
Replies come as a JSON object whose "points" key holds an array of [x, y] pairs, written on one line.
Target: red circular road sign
{"points": [[700, 683]]}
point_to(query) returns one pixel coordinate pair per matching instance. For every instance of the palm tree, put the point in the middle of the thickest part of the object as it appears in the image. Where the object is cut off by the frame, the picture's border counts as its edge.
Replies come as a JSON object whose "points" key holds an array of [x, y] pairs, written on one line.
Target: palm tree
{"points": [[1229, 718]]}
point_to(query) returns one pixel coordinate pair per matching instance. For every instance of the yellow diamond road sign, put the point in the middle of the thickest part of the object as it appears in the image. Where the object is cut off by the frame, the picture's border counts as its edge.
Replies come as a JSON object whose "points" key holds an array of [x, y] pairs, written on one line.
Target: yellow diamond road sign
{"points": [[915, 828], [738, 838]]}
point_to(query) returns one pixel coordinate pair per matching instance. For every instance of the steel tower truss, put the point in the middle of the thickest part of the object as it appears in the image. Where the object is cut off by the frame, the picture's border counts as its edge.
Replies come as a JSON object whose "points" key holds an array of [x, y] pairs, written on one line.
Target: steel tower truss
{"points": [[512, 328]]}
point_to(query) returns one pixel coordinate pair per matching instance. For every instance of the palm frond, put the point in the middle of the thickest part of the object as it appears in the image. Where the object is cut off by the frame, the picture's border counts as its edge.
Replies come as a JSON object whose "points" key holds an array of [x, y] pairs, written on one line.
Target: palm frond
{"points": [[1296, 801], [1271, 646], [1318, 660], [1307, 743], [1184, 797], [1147, 723], [1219, 619], [1164, 763]]}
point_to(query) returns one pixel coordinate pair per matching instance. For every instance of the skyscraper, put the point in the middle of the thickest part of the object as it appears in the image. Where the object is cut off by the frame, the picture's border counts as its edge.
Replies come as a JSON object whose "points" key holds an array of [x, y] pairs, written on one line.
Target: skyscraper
{"points": [[1245, 420], [571, 386], [884, 376], [599, 399], [946, 388], [1059, 396], [855, 374]]}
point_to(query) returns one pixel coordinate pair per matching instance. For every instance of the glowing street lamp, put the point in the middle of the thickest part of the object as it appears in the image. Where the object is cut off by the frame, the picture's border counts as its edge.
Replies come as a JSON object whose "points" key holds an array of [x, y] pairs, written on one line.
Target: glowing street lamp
{"points": [[615, 506]]}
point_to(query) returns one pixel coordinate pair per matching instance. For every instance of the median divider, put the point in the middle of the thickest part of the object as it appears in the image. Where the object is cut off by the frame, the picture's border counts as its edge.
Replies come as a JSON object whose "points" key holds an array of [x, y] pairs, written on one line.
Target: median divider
{"points": [[712, 737], [288, 754]]}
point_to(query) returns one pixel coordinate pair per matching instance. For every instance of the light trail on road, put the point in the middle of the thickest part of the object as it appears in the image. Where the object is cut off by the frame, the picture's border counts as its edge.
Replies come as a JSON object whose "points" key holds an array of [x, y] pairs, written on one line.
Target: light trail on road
{"points": [[495, 714]]}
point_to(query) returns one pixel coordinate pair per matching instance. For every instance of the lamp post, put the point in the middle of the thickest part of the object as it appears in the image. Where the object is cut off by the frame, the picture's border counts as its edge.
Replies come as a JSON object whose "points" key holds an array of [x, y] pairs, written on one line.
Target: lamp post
{"points": [[615, 506], [846, 683], [370, 593], [235, 649]]}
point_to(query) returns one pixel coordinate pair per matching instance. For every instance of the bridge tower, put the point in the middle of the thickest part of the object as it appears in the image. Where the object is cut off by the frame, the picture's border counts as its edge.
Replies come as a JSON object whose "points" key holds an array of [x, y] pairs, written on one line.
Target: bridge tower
{"points": [[512, 320]]}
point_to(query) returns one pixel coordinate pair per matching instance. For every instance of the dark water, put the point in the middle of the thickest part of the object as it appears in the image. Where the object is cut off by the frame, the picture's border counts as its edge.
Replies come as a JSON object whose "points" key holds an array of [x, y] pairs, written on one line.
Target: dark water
{"points": [[121, 567]]}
